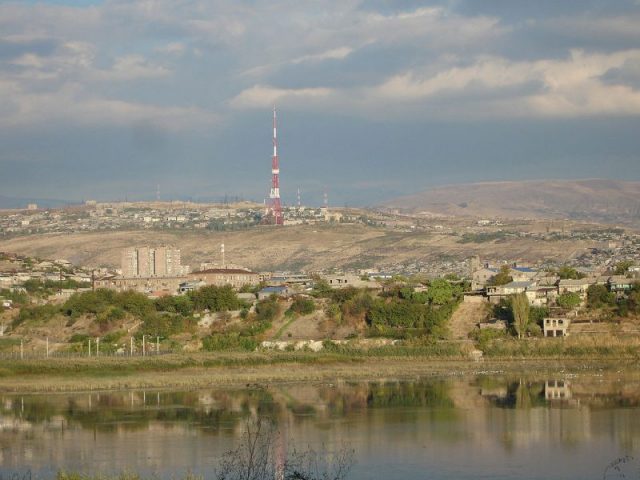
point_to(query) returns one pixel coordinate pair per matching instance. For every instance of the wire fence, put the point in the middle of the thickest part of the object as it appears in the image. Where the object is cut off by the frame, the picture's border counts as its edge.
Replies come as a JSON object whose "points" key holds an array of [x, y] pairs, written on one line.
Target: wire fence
{"points": [[39, 355]]}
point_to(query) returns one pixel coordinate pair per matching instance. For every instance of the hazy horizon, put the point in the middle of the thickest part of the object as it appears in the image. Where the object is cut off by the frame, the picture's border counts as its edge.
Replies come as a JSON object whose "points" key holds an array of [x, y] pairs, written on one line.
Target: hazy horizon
{"points": [[376, 99]]}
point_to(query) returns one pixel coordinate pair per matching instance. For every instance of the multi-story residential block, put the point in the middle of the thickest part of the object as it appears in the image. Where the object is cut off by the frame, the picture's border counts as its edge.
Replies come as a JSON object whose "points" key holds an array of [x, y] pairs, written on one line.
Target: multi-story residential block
{"points": [[145, 262]]}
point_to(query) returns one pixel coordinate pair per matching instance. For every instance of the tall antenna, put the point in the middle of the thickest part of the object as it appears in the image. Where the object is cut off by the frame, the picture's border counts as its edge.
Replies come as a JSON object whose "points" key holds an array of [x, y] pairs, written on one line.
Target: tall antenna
{"points": [[326, 199], [276, 207], [299, 202], [157, 192]]}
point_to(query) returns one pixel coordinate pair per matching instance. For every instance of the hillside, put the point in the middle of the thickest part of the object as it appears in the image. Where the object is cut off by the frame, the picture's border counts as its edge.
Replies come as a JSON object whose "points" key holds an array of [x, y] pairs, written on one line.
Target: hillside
{"points": [[606, 201], [308, 247]]}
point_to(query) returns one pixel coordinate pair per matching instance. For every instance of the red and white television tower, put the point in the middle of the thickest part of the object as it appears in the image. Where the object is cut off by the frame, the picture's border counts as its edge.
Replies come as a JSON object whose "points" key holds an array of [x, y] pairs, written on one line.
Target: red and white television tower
{"points": [[276, 207]]}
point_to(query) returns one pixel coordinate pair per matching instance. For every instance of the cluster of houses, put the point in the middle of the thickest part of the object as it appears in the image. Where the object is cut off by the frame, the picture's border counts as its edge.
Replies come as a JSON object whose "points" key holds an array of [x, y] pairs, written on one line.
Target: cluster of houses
{"points": [[542, 289], [15, 270]]}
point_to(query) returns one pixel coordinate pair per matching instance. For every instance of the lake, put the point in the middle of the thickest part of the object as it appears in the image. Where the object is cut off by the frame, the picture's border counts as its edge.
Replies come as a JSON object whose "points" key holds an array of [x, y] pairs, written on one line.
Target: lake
{"points": [[494, 425]]}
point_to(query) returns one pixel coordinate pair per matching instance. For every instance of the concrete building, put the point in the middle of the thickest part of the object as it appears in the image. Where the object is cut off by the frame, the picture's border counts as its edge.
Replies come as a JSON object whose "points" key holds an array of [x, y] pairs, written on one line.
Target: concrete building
{"points": [[236, 277], [498, 292], [146, 262], [347, 280], [575, 286], [278, 291], [141, 284], [620, 283], [555, 327]]}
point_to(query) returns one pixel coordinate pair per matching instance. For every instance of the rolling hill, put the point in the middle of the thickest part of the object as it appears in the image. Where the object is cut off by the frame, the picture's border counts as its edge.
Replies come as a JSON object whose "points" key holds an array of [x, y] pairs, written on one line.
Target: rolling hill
{"points": [[605, 201]]}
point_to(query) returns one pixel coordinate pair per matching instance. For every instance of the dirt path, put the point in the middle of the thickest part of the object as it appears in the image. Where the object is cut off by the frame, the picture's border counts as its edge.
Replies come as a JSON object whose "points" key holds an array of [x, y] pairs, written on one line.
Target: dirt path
{"points": [[465, 319]]}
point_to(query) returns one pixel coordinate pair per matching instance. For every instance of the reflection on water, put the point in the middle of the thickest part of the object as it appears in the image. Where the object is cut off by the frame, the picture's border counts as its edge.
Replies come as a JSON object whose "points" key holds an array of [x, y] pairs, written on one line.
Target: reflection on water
{"points": [[492, 426]]}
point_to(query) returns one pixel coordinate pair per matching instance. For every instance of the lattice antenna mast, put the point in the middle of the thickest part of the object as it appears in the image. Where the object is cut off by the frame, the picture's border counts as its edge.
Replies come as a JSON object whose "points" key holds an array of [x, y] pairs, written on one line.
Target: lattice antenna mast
{"points": [[299, 201], [276, 207]]}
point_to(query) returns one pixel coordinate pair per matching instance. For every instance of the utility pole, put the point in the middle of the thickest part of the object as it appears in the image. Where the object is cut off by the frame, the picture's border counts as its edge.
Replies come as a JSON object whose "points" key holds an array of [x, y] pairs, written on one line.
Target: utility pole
{"points": [[157, 345], [97, 346], [47, 347], [131, 347], [144, 352], [89, 340], [21, 349]]}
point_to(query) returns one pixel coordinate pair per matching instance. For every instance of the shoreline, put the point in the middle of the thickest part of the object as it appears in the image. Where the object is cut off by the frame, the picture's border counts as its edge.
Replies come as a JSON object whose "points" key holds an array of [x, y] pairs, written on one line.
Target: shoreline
{"points": [[294, 369]]}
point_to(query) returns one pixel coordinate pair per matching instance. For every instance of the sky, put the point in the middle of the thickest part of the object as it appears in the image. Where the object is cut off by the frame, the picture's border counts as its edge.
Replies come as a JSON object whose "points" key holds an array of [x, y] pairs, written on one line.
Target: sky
{"points": [[376, 98]]}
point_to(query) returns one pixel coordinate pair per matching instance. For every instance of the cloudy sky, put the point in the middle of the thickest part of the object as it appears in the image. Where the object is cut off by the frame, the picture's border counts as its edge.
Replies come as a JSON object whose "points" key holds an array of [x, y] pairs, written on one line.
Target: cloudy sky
{"points": [[376, 98]]}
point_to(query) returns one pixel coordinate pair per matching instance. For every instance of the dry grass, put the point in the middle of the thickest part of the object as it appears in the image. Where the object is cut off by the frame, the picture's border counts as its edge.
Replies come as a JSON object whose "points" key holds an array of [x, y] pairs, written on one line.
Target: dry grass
{"points": [[311, 247], [224, 369]]}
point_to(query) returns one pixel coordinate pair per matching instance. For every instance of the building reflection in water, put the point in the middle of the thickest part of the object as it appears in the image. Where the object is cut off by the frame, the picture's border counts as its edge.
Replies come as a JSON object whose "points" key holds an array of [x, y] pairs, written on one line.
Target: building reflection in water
{"points": [[480, 421]]}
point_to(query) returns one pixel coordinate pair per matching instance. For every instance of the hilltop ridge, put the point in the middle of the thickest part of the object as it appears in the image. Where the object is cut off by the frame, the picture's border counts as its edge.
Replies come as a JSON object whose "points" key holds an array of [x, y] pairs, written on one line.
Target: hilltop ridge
{"points": [[597, 200]]}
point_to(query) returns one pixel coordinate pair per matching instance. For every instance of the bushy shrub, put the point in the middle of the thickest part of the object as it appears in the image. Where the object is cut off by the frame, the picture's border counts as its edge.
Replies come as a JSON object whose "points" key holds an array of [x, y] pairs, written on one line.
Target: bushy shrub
{"points": [[165, 325], [267, 309], [332, 311], [102, 300], [37, 313], [302, 306], [181, 304], [228, 341], [358, 305]]}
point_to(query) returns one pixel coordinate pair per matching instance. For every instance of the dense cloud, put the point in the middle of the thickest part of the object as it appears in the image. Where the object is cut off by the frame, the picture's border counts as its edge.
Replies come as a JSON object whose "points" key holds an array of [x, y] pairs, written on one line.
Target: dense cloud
{"points": [[110, 98]]}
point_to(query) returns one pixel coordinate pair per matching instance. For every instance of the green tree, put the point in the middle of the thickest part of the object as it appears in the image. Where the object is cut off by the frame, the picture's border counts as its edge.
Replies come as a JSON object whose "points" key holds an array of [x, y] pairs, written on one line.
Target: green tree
{"points": [[440, 292], [622, 267], [569, 273], [321, 288], [598, 296], [537, 315], [568, 300], [181, 304], [215, 299], [633, 299], [502, 277], [520, 309]]}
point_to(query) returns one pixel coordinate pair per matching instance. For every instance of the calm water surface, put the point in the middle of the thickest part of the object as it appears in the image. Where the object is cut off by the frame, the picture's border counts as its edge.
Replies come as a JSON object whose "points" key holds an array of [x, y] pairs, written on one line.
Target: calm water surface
{"points": [[489, 426]]}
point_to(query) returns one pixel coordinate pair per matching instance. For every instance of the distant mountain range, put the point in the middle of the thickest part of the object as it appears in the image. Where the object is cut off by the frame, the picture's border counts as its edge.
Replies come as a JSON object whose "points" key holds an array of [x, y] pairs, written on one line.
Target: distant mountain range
{"points": [[13, 202], [605, 201]]}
